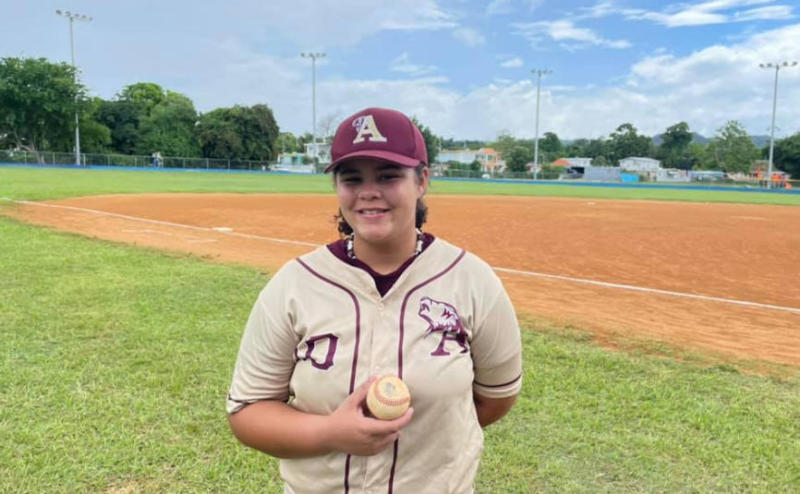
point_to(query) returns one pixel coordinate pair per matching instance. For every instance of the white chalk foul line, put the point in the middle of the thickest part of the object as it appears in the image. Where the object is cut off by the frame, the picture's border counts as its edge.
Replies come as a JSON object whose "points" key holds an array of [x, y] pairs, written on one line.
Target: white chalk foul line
{"points": [[499, 269], [649, 290], [169, 223]]}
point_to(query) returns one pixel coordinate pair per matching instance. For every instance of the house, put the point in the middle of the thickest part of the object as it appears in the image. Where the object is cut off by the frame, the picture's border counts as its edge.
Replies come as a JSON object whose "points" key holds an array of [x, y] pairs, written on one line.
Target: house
{"points": [[560, 162], [639, 164], [579, 162], [319, 150], [490, 160]]}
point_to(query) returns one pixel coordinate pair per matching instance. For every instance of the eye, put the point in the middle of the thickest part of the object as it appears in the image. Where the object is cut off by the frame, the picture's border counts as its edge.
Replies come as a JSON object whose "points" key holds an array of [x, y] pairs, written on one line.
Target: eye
{"points": [[350, 179], [388, 177]]}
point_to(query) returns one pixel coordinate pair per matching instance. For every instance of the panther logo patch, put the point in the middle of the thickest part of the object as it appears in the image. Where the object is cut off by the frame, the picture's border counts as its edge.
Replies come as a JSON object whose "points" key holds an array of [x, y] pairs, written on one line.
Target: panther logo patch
{"points": [[443, 318]]}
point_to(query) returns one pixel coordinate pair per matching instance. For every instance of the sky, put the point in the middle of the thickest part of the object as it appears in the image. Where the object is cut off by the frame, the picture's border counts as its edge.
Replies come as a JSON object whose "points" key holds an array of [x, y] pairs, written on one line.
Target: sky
{"points": [[464, 68]]}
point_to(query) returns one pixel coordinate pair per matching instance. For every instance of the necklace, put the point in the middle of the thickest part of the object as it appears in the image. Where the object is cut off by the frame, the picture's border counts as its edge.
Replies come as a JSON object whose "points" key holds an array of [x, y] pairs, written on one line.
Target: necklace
{"points": [[352, 254]]}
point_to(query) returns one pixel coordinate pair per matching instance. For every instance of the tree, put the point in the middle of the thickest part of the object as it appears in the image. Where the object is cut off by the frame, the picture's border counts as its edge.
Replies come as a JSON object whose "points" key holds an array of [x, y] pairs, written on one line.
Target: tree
{"points": [[242, 132], [124, 115], [327, 126], [122, 119], [144, 96], [38, 99], [169, 128], [287, 142], [699, 155], [95, 136], [431, 140], [786, 155], [626, 142], [674, 149], [504, 144], [217, 134], [519, 157], [732, 150], [550, 144]]}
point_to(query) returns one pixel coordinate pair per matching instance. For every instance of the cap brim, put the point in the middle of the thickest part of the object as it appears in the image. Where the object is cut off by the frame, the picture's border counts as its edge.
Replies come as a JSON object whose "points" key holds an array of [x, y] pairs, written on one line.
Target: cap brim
{"points": [[387, 156]]}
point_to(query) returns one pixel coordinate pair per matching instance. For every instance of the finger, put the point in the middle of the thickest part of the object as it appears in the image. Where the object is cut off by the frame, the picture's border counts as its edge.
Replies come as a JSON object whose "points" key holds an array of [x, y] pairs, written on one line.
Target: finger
{"points": [[380, 428], [402, 420]]}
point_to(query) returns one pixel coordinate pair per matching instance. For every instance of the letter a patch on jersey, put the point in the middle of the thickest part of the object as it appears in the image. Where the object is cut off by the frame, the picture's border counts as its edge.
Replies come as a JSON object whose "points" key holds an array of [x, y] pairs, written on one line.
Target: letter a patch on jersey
{"points": [[442, 318], [367, 130]]}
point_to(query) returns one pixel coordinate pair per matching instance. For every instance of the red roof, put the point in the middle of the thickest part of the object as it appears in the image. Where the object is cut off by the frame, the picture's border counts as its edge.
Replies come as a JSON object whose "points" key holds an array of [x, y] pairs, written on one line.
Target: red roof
{"points": [[560, 162]]}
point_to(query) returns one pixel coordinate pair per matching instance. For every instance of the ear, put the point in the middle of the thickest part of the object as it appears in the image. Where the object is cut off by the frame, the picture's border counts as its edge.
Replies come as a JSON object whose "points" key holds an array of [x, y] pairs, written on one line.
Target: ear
{"points": [[424, 181]]}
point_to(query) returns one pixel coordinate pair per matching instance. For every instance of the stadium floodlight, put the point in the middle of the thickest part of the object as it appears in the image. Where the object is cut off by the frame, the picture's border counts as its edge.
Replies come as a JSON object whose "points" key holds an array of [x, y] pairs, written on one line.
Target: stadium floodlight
{"points": [[313, 57], [539, 73], [72, 17], [777, 66]]}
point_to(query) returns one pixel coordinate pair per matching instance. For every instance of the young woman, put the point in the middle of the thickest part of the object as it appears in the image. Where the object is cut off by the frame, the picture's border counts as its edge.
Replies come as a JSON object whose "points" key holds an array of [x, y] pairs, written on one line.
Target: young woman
{"points": [[384, 299]]}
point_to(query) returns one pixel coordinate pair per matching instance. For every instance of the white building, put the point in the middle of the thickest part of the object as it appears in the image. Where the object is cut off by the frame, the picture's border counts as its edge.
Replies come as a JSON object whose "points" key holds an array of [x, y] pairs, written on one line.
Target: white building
{"points": [[465, 156], [319, 150], [638, 164]]}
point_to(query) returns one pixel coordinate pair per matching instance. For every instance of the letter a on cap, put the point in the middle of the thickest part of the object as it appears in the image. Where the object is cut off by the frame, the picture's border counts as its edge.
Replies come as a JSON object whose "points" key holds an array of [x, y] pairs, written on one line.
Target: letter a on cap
{"points": [[367, 129]]}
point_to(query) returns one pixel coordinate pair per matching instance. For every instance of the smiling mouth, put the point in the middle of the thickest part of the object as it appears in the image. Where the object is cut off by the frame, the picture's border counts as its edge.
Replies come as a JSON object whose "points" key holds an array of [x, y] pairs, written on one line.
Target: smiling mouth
{"points": [[372, 211]]}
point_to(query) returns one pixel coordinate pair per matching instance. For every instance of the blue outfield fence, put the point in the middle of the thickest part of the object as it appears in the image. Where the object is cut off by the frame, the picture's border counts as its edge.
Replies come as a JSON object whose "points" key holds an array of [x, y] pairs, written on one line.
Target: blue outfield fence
{"points": [[47, 159]]}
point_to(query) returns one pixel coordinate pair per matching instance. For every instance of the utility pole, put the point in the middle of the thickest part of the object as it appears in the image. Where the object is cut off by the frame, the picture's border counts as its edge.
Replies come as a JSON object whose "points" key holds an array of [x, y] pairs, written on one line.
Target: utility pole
{"points": [[539, 73], [313, 57], [777, 66], [72, 17]]}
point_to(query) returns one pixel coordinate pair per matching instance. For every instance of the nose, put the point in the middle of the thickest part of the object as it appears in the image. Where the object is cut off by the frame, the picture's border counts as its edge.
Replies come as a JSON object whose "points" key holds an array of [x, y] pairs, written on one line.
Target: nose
{"points": [[368, 190]]}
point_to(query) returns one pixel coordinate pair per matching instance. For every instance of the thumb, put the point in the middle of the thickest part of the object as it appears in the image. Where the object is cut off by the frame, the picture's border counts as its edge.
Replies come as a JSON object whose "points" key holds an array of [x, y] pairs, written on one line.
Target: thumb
{"points": [[359, 396]]}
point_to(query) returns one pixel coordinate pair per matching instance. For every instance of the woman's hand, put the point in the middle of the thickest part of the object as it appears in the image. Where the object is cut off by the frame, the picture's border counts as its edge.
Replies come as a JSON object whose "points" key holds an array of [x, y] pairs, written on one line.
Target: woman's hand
{"points": [[351, 431]]}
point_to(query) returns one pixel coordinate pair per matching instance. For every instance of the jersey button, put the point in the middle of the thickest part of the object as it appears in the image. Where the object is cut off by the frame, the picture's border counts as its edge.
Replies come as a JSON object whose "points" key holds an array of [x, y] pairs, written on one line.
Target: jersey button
{"points": [[380, 306]]}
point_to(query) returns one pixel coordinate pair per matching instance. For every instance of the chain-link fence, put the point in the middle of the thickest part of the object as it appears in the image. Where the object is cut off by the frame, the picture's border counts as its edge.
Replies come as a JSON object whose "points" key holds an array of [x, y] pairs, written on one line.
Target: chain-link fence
{"points": [[46, 158], [458, 173]]}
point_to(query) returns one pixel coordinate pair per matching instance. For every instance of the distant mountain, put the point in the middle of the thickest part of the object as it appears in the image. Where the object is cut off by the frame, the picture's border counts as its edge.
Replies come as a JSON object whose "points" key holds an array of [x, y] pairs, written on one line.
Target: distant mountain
{"points": [[760, 141]]}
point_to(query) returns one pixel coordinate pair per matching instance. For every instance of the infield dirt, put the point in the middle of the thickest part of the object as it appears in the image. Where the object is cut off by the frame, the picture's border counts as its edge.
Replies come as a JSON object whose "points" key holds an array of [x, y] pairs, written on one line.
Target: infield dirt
{"points": [[749, 253]]}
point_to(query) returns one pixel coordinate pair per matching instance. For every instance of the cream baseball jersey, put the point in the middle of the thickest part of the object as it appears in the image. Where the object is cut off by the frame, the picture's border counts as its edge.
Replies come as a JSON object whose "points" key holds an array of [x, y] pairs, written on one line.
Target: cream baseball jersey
{"points": [[320, 328]]}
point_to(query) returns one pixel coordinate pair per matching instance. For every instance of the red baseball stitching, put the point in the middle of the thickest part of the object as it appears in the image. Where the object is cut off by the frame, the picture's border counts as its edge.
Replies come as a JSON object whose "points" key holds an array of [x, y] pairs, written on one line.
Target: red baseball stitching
{"points": [[385, 400]]}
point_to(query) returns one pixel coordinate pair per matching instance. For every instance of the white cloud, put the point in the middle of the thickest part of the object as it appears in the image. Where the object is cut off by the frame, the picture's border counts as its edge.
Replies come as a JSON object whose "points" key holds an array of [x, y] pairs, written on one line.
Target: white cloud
{"points": [[566, 32], [705, 88], [496, 7], [512, 63], [711, 12], [403, 64], [326, 23], [469, 37], [776, 12]]}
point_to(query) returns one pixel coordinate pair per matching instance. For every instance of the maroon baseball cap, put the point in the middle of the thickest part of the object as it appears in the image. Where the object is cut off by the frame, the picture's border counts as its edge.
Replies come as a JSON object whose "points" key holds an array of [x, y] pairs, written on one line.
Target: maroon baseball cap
{"points": [[380, 134]]}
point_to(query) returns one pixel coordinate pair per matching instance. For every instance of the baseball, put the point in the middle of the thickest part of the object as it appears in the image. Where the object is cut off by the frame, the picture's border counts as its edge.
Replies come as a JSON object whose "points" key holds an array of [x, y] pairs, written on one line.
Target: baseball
{"points": [[388, 397]]}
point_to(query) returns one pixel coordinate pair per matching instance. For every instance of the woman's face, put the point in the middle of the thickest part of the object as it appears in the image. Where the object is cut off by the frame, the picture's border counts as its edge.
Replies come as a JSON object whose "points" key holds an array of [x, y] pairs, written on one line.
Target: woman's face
{"points": [[379, 200]]}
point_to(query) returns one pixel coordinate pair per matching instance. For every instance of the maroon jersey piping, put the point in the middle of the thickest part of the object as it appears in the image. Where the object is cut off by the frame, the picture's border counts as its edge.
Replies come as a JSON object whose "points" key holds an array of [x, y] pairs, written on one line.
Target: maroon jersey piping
{"points": [[400, 346], [355, 353]]}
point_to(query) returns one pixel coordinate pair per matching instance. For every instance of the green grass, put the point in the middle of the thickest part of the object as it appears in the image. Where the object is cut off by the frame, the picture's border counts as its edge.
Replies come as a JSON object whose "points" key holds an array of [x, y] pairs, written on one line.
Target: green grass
{"points": [[42, 184], [115, 361]]}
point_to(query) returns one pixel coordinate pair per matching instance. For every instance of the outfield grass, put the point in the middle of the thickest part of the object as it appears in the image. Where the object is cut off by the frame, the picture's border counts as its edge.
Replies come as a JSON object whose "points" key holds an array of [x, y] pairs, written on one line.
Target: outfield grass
{"points": [[41, 184], [115, 361]]}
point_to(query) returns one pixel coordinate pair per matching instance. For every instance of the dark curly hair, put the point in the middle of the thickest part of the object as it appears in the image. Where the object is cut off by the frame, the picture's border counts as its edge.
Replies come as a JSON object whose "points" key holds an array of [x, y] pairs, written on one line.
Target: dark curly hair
{"points": [[421, 215]]}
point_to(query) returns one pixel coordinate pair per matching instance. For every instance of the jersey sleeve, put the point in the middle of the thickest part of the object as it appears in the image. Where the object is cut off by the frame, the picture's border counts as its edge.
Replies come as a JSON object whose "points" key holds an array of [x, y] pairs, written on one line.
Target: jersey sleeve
{"points": [[266, 356], [497, 349]]}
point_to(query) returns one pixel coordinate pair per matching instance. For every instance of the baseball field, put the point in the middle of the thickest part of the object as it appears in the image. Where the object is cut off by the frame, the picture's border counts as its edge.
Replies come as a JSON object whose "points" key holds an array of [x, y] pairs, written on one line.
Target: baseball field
{"points": [[662, 329]]}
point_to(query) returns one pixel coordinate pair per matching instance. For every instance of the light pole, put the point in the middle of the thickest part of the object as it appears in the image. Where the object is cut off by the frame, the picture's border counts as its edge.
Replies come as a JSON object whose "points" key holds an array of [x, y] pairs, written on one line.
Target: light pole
{"points": [[539, 73], [777, 66], [72, 17], [313, 57]]}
